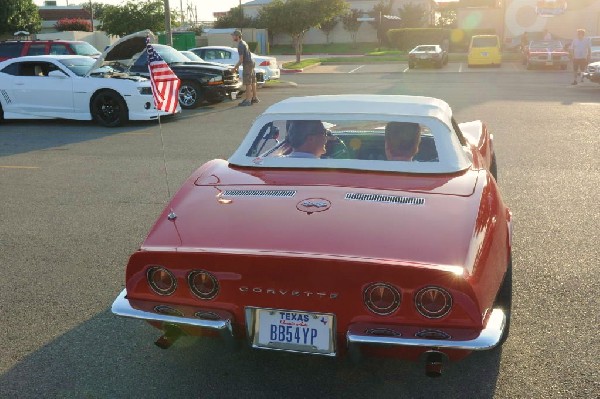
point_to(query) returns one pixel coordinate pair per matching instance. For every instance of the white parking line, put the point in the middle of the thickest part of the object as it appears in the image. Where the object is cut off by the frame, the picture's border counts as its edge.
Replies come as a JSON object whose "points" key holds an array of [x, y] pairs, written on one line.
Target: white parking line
{"points": [[405, 69], [18, 167], [460, 67], [356, 69]]}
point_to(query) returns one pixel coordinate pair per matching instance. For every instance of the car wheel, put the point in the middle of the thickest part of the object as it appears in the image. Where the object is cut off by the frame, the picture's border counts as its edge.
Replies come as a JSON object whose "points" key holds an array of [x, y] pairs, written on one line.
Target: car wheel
{"points": [[190, 95], [109, 109], [411, 65], [504, 299], [439, 64], [494, 167]]}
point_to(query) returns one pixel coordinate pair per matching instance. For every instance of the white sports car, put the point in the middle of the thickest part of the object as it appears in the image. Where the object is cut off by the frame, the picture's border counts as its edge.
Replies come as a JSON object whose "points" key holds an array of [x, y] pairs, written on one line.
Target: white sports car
{"points": [[72, 87]]}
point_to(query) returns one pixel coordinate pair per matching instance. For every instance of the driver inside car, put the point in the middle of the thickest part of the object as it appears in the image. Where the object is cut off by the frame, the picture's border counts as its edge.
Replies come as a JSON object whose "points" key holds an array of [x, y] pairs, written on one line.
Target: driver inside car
{"points": [[307, 138]]}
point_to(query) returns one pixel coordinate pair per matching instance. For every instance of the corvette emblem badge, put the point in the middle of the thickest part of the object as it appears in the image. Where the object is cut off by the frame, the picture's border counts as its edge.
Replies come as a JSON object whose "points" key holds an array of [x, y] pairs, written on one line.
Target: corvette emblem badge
{"points": [[311, 205]]}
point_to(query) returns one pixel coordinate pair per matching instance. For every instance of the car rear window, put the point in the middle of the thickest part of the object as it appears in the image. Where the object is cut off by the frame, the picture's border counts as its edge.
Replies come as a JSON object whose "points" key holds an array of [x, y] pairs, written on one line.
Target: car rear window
{"points": [[485, 41], [10, 50]]}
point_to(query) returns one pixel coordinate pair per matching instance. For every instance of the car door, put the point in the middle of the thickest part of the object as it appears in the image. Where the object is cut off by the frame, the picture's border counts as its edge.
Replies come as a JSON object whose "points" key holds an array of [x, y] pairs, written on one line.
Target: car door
{"points": [[40, 94]]}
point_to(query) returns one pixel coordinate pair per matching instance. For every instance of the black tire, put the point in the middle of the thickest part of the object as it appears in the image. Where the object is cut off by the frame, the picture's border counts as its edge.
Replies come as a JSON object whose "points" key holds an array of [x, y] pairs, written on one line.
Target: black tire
{"points": [[494, 167], [190, 95], [1, 113], [439, 65], [411, 65], [109, 109], [504, 299]]}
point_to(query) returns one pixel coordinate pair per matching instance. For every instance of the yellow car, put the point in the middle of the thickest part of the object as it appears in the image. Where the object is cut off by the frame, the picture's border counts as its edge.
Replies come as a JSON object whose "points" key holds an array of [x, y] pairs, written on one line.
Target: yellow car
{"points": [[484, 50]]}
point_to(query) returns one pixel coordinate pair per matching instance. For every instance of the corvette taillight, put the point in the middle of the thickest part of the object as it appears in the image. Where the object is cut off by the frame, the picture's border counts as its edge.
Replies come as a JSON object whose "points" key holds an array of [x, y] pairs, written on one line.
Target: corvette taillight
{"points": [[433, 302], [382, 298], [265, 63], [161, 280], [203, 284]]}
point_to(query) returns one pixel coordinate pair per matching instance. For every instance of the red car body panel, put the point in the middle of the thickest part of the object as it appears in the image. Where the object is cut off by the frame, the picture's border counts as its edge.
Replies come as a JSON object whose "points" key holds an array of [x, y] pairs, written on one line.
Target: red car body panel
{"points": [[274, 252]]}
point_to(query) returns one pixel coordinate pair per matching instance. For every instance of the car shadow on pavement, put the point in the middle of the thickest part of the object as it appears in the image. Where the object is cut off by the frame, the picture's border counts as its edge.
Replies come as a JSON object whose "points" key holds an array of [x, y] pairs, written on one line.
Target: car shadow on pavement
{"points": [[55, 133], [111, 357]]}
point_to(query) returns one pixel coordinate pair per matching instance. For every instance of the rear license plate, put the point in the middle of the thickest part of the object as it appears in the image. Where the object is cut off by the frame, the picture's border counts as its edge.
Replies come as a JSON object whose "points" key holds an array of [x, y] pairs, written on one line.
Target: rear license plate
{"points": [[484, 54], [294, 331], [423, 57]]}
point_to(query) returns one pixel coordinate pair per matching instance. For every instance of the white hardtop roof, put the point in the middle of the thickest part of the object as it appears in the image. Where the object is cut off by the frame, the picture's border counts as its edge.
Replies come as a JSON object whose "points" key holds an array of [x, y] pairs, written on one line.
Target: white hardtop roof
{"points": [[369, 104], [431, 112]]}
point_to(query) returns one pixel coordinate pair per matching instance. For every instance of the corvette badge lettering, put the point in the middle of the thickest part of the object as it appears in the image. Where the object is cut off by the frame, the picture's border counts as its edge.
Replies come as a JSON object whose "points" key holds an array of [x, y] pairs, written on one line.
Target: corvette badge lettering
{"points": [[272, 291], [313, 205]]}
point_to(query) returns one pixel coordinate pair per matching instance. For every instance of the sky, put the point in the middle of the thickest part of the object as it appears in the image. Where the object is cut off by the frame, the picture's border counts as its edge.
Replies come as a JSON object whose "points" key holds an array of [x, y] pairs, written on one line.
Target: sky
{"points": [[205, 7]]}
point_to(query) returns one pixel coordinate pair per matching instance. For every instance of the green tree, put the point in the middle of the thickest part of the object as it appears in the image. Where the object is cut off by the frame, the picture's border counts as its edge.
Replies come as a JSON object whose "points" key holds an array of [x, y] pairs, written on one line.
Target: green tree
{"points": [[351, 23], [379, 10], [135, 16], [327, 27], [235, 19], [412, 15], [296, 17], [446, 19], [19, 15], [96, 9]]}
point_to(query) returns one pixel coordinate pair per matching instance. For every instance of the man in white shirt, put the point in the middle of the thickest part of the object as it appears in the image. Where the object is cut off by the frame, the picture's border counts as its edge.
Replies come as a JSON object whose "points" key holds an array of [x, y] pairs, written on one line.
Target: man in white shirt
{"points": [[581, 51]]}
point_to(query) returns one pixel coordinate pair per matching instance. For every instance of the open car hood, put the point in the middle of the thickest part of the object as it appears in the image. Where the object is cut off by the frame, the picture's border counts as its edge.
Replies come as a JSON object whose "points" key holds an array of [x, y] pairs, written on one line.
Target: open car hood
{"points": [[124, 48]]}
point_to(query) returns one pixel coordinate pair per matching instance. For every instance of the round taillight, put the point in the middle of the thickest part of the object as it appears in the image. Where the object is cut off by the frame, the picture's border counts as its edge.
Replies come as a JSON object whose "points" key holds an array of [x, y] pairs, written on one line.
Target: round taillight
{"points": [[433, 302], [382, 298], [203, 284], [161, 280]]}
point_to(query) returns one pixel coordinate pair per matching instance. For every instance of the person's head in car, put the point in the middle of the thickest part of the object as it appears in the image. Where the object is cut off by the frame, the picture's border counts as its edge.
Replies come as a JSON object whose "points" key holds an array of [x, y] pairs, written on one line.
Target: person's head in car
{"points": [[307, 139], [402, 140]]}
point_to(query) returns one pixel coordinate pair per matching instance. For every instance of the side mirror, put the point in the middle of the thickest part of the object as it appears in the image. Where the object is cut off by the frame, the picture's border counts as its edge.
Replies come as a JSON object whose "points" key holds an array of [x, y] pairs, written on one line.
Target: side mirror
{"points": [[57, 74]]}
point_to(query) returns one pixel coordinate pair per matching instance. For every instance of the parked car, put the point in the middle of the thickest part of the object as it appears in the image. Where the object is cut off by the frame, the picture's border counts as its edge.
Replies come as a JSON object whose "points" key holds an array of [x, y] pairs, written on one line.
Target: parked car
{"points": [[200, 82], [260, 73], [230, 56], [18, 48], [71, 87], [545, 53], [595, 44], [484, 50], [346, 253], [592, 72], [428, 54]]}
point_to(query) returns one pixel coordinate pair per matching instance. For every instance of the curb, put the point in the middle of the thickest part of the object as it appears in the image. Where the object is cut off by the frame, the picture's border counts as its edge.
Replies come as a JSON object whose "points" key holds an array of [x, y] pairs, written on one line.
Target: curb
{"points": [[299, 69]]}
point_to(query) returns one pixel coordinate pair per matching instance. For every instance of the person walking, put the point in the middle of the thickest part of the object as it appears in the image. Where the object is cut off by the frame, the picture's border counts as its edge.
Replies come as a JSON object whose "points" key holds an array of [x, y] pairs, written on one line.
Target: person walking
{"points": [[581, 51], [248, 74]]}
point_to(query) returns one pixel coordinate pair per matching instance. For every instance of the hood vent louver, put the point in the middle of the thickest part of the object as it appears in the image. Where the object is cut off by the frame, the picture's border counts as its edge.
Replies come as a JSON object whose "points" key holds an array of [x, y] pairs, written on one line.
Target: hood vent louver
{"points": [[389, 199], [259, 193]]}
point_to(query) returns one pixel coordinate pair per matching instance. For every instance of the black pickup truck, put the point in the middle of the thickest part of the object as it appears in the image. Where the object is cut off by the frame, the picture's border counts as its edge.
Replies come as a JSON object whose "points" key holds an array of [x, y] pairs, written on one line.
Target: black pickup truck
{"points": [[200, 81]]}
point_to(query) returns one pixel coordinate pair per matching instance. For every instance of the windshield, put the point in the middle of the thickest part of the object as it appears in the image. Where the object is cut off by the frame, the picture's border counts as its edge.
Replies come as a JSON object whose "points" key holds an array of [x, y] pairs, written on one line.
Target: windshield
{"points": [[425, 48], [192, 56], [79, 66], [84, 48], [169, 54], [546, 45]]}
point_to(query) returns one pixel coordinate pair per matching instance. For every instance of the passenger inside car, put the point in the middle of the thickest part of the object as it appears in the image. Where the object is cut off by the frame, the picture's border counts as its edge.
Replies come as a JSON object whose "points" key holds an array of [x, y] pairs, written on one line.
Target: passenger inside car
{"points": [[402, 140]]}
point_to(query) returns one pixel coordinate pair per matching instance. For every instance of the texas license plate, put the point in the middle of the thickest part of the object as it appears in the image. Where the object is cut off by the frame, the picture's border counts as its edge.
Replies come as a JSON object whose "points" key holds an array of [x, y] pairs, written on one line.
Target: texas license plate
{"points": [[295, 331]]}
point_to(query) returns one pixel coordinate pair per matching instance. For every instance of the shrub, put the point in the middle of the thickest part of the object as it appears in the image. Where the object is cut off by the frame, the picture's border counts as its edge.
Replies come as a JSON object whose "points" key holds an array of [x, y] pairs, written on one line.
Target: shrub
{"points": [[252, 46], [79, 24]]}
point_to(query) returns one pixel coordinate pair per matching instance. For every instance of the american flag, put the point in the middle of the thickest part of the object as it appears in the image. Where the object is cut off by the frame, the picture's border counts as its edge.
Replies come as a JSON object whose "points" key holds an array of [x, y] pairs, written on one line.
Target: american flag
{"points": [[165, 84]]}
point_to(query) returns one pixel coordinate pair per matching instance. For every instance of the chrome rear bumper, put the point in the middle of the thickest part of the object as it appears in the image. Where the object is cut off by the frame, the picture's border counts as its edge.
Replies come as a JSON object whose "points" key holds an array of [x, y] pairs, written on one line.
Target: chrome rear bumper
{"points": [[488, 338], [122, 307]]}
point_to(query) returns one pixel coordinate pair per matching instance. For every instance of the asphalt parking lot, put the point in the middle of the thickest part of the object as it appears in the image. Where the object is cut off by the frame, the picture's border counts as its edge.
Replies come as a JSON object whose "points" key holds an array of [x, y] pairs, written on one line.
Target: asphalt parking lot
{"points": [[78, 199]]}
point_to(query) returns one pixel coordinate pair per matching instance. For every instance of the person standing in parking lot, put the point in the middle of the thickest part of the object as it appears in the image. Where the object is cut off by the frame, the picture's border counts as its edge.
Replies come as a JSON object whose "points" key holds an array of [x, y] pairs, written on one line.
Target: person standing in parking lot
{"points": [[581, 51], [248, 75]]}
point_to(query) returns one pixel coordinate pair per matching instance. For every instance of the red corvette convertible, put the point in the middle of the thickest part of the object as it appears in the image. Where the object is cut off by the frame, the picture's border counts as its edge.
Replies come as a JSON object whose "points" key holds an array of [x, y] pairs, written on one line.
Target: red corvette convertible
{"points": [[338, 252]]}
